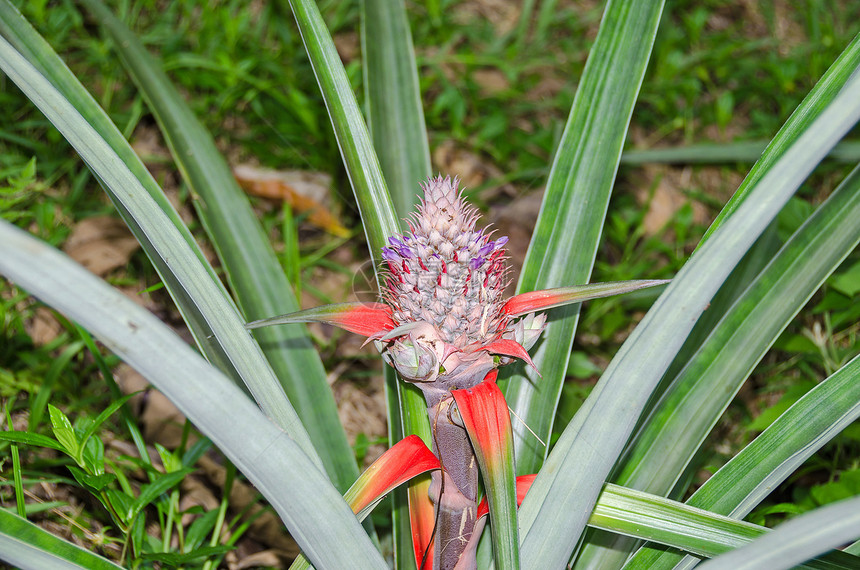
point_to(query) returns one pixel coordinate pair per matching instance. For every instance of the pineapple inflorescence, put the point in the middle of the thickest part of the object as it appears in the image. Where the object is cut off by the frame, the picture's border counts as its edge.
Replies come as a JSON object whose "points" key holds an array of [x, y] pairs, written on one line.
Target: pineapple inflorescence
{"points": [[445, 284], [445, 272]]}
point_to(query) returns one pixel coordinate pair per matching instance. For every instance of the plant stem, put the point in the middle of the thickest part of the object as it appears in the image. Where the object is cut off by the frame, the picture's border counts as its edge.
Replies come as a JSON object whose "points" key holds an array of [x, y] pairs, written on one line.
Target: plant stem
{"points": [[454, 490]]}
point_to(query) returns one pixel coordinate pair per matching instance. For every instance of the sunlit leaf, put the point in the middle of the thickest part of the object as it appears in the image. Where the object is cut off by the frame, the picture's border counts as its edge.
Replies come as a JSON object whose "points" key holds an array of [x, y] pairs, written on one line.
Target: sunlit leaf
{"points": [[487, 420]]}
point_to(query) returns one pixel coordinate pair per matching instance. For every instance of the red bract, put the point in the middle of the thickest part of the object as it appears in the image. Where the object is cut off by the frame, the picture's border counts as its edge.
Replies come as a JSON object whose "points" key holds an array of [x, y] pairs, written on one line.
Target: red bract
{"points": [[549, 298], [367, 319], [421, 521], [406, 459], [524, 483], [485, 416]]}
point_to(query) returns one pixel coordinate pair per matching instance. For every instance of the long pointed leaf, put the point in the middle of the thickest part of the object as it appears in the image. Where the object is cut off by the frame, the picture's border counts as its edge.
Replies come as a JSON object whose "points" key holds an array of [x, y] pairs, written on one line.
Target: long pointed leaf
{"points": [[704, 388], [396, 120], [706, 534], [30, 547], [28, 42], [221, 315], [563, 495], [362, 166], [368, 319], [312, 509], [544, 299], [406, 459], [253, 271], [772, 457], [797, 540], [727, 153], [394, 111], [564, 245], [420, 522]]}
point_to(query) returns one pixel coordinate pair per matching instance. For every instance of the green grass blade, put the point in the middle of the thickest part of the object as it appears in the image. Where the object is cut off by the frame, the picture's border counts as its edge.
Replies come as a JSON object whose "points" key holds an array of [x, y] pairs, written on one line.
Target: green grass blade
{"points": [[312, 509], [253, 271], [396, 121], [564, 244], [797, 540], [28, 42], [702, 390], [28, 438], [150, 491], [563, 495], [40, 403], [362, 166], [221, 315], [18, 481], [27, 546], [102, 418], [394, 112], [773, 456]]}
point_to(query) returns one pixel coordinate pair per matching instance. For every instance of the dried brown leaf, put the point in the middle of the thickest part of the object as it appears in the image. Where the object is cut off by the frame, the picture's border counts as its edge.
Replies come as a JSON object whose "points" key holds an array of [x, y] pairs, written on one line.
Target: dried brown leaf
{"points": [[668, 196], [101, 244], [43, 327], [304, 191]]}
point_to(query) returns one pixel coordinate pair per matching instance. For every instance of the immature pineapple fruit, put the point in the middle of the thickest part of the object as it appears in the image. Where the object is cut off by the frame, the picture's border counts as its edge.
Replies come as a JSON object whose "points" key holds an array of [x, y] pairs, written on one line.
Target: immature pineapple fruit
{"points": [[444, 285]]}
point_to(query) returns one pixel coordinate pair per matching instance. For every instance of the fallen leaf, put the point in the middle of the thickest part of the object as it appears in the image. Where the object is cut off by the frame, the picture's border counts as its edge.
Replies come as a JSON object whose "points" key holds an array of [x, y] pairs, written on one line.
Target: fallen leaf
{"points": [[348, 46], [668, 197], [502, 14], [517, 220], [161, 421], [492, 81], [43, 327], [263, 558], [195, 492], [304, 191], [472, 170], [101, 244]]}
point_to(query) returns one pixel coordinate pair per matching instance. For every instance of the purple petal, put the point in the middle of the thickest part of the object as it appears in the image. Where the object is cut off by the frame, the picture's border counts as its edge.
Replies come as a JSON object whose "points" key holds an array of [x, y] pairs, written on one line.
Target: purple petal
{"points": [[406, 252], [486, 248], [395, 242], [389, 254], [501, 241], [476, 262]]}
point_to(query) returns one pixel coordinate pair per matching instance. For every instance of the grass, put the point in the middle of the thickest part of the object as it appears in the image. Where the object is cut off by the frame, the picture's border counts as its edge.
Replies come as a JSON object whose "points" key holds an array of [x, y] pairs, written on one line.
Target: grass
{"points": [[496, 92]]}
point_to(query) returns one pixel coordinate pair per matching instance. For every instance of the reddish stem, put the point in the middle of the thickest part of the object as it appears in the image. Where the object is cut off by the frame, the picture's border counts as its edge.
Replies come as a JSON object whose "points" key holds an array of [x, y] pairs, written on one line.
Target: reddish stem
{"points": [[454, 491]]}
